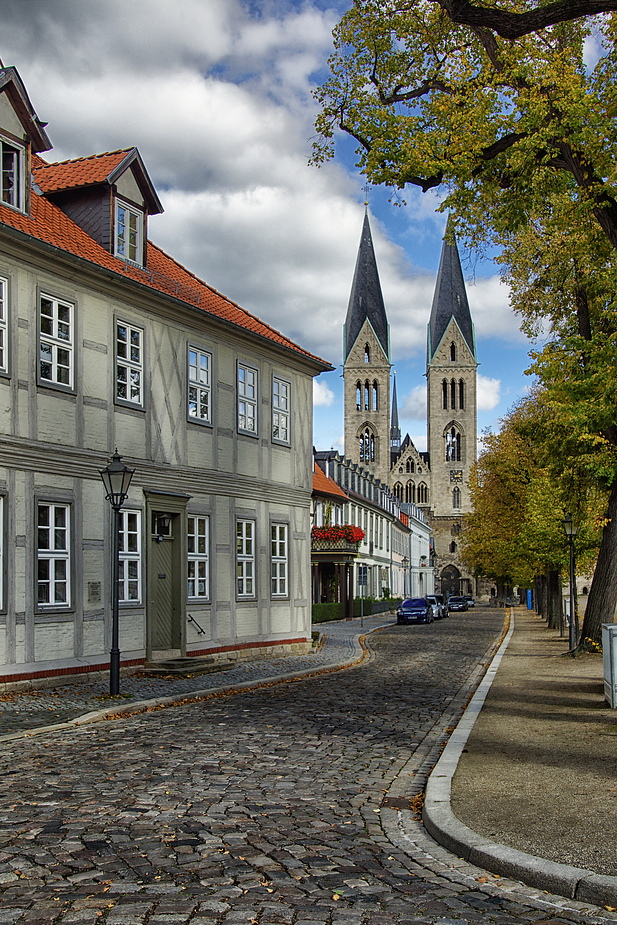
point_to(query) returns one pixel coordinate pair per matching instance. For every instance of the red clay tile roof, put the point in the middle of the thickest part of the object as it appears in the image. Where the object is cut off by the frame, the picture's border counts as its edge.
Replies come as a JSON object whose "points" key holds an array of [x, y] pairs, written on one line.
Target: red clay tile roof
{"points": [[47, 223], [324, 485], [82, 171]]}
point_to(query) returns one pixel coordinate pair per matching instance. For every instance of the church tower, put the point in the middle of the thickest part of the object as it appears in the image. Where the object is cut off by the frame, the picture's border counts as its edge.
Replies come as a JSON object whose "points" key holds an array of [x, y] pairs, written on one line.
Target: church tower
{"points": [[366, 366], [451, 414]]}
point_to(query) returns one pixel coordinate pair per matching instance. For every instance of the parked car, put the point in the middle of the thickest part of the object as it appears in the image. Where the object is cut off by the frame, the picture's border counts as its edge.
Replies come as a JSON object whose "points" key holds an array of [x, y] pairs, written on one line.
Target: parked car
{"points": [[438, 608], [470, 600], [444, 603], [415, 610], [457, 603]]}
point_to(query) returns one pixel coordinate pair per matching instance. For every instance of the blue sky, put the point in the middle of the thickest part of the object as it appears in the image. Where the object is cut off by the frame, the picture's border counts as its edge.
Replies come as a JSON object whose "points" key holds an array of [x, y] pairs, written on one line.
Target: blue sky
{"points": [[216, 94]]}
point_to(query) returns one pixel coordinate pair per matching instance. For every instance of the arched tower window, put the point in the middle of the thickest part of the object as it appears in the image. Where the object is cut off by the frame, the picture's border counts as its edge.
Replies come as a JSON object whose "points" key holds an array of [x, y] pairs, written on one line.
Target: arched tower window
{"points": [[453, 445], [453, 352], [375, 396], [410, 493], [367, 446], [367, 353], [422, 493], [410, 466], [444, 395], [453, 393], [367, 397], [461, 393], [456, 498], [358, 396], [452, 546], [398, 491]]}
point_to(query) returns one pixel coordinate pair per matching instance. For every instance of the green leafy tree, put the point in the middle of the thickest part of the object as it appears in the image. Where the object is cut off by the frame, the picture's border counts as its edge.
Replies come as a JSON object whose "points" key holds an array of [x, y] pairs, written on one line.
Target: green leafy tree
{"points": [[521, 138], [515, 533]]}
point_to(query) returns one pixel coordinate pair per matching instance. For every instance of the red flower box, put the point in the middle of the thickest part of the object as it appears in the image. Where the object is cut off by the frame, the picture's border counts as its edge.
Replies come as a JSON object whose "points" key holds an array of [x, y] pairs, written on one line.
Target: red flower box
{"points": [[347, 532]]}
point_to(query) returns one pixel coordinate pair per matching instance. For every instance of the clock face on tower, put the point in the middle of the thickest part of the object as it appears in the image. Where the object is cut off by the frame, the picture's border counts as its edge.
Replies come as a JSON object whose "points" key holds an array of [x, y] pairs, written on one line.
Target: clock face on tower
{"points": [[456, 475]]}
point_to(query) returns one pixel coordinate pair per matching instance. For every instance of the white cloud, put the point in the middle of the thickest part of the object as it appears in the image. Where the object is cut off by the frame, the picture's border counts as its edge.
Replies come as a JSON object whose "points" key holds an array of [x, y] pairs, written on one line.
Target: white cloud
{"points": [[414, 404], [322, 394], [216, 96], [488, 393], [491, 312]]}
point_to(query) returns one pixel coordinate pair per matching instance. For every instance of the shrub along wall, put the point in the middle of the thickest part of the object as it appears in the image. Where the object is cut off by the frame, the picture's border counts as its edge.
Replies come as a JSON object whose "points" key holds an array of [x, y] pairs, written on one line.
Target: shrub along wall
{"points": [[322, 613]]}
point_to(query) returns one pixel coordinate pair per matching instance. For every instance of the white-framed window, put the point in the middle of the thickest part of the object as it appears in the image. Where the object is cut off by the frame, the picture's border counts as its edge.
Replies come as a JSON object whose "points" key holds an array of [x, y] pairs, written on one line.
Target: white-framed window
{"points": [[129, 232], [198, 529], [129, 363], [281, 406], [199, 385], [247, 399], [12, 186], [53, 550], [4, 321], [245, 558], [56, 341], [279, 560], [129, 552]]}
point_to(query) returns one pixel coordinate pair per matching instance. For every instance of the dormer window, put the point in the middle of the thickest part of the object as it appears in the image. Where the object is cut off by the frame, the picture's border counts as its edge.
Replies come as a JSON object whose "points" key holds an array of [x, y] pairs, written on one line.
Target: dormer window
{"points": [[129, 228], [11, 183]]}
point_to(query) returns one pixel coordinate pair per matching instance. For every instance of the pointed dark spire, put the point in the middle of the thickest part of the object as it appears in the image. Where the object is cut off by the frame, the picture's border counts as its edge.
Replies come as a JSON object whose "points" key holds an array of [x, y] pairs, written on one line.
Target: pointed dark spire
{"points": [[366, 300], [450, 298], [395, 430]]}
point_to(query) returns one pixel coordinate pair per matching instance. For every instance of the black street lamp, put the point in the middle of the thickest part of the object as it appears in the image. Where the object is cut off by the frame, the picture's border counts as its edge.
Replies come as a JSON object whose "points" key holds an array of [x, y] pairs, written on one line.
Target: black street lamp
{"points": [[571, 531], [405, 566], [116, 479]]}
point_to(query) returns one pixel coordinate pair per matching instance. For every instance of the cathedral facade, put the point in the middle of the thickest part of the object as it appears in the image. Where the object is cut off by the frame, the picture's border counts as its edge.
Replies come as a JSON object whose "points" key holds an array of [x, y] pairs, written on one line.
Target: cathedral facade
{"points": [[436, 480]]}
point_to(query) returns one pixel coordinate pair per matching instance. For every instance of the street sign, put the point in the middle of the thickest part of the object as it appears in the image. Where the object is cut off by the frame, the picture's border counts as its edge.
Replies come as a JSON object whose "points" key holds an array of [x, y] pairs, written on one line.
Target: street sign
{"points": [[363, 575]]}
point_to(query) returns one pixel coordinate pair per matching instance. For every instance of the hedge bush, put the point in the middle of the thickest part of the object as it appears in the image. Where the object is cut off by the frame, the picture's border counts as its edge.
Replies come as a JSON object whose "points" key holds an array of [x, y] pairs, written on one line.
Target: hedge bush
{"points": [[323, 613]]}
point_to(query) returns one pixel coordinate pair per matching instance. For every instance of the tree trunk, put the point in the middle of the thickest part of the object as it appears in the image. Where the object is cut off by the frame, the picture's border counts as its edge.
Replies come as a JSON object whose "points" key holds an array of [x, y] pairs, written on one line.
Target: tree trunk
{"points": [[554, 603], [537, 594], [541, 592], [603, 592]]}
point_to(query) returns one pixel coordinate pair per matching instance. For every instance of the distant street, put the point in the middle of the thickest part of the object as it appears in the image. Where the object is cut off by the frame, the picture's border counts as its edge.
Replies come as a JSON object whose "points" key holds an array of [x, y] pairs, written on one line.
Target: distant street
{"points": [[291, 804]]}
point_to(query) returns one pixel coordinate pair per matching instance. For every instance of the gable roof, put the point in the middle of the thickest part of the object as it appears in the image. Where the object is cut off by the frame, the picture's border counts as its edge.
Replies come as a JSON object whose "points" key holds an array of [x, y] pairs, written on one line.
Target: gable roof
{"points": [[11, 84], [48, 224], [97, 169], [450, 299], [366, 299], [324, 485]]}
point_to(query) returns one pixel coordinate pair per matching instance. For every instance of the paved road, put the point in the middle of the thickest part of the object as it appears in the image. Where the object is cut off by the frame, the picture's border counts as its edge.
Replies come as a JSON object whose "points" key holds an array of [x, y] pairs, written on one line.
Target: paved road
{"points": [[286, 805]]}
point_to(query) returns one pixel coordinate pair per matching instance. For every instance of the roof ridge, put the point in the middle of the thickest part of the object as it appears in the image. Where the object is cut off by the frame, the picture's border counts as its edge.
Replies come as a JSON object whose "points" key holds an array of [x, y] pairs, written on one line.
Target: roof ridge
{"points": [[88, 157]]}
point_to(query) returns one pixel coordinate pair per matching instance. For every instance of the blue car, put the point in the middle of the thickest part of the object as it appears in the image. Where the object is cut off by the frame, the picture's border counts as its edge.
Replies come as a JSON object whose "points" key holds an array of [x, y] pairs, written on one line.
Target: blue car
{"points": [[415, 610]]}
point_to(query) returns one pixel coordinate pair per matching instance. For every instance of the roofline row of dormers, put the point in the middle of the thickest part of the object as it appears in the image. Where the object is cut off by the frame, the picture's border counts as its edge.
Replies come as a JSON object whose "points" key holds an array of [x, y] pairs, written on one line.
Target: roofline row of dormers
{"points": [[105, 233], [387, 501]]}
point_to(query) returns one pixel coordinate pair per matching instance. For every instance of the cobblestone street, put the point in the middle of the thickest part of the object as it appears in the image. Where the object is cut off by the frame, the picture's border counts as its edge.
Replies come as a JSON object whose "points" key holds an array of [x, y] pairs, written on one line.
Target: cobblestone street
{"points": [[290, 804]]}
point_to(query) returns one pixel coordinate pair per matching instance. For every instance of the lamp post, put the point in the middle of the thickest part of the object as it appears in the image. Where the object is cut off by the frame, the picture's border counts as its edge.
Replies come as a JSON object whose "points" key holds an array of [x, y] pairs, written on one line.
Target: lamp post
{"points": [[405, 565], [570, 531], [116, 479]]}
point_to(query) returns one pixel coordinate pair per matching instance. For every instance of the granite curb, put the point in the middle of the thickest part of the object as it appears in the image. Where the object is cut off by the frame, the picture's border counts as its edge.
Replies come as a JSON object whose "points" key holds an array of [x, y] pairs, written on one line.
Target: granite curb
{"points": [[442, 825], [359, 655]]}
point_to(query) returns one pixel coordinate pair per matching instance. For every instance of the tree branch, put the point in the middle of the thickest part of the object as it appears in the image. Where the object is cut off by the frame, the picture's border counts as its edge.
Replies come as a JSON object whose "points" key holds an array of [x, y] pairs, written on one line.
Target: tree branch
{"points": [[514, 25]]}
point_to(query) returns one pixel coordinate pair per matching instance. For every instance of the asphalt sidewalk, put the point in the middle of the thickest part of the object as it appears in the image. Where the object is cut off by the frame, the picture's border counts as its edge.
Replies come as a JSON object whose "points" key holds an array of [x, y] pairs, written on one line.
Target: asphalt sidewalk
{"points": [[527, 785]]}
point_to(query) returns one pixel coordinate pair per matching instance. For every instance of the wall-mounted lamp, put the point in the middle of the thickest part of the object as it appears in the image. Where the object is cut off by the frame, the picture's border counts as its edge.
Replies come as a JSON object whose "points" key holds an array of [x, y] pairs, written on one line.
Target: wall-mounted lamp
{"points": [[162, 525]]}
